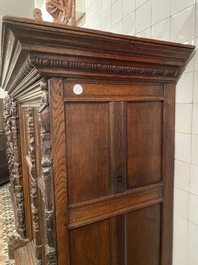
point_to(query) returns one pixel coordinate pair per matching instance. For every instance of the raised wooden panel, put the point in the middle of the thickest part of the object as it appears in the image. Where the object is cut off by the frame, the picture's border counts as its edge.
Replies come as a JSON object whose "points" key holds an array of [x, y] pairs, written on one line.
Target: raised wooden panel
{"points": [[116, 92], [87, 134], [144, 143], [91, 244], [143, 236]]}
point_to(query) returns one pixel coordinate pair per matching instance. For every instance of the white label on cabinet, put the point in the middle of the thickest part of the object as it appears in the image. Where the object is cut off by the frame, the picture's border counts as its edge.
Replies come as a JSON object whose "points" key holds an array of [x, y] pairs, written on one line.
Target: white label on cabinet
{"points": [[77, 89]]}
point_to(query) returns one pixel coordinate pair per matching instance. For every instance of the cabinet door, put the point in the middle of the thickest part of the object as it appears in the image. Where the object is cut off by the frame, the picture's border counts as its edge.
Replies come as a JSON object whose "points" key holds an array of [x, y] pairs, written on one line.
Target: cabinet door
{"points": [[114, 168]]}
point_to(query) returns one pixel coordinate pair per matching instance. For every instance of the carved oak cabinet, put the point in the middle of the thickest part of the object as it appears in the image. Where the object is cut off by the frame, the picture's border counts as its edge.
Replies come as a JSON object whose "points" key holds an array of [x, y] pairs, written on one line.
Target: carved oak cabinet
{"points": [[90, 128]]}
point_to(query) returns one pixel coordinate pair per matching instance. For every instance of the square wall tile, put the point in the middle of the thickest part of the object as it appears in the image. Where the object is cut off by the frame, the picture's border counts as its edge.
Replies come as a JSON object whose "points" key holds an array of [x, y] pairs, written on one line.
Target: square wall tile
{"points": [[161, 30], [182, 175], [116, 12], [144, 33], [180, 253], [195, 92], [181, 200], [183, 147], [193, 237], [183, 118], [140, 2], [143, 17], [184, 89], [128, 26], [160, 10], [193, 209], [192, 257], [179, 5], [195, 119], [183, 25], [99, 22], [128, 7], [194, 180], [98, 5], [195, 150], [106, 4], [117, 28], [196, 20], [107, 19], [180, 229]]}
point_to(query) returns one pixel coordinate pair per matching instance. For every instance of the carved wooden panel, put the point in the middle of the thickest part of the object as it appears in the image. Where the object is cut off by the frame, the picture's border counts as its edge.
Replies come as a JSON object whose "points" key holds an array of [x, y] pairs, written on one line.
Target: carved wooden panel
{"points": [[47, 176], [14, 162]]}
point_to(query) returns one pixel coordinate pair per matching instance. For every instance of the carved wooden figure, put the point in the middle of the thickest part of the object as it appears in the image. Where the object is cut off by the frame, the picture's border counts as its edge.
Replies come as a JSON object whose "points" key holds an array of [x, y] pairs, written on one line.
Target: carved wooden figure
{"points": [[90, 129], [62, 11]]}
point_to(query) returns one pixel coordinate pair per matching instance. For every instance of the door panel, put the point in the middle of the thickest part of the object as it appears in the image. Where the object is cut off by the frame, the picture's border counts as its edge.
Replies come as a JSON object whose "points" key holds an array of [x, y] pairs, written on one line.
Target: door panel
{"points": [[114, 172], [144, 143], [91, 244], [88, 150], [143, 236]]}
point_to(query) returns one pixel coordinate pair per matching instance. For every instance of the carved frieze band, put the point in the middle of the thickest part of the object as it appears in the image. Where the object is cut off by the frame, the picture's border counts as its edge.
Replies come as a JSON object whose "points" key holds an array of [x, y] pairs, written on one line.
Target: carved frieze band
{"points": [[104, 68], [47, 175], [34, 188], [14, 161]]}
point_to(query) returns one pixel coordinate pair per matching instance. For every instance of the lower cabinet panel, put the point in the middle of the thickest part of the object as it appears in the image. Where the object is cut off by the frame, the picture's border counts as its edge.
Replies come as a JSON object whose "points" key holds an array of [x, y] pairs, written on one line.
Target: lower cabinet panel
{"points": [[102, 243], [143, 236], [91, 244]]}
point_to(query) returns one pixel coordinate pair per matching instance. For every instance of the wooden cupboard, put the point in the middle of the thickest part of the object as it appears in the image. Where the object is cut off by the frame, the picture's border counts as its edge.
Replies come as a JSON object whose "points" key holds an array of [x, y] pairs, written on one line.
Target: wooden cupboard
{"points": [[90, 127]]}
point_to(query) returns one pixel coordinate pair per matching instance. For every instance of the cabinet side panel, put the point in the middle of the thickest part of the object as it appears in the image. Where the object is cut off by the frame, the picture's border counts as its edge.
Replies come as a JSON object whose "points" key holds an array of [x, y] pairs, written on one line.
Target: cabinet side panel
{"points": [[87, 132], [91, 244], [143, 236], [168, 173], [59, 169], [144, 147]]}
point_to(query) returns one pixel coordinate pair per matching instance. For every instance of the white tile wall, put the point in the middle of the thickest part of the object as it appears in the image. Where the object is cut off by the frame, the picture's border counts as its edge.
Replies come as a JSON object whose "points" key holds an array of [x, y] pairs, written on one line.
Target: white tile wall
{"points": [[182, 175], [175, 20], [195, 92], [195, 119], [117, 12], [195, 149], [143, 17], [160, 10], [193, 236], [129, 24], [161, 30], [183, 25], [180, 254], [184, 91], [180, 229], [183, 118], [193, 206], [128, 7], [194, 180], [181, 200], [183, 147], [179, 5]]}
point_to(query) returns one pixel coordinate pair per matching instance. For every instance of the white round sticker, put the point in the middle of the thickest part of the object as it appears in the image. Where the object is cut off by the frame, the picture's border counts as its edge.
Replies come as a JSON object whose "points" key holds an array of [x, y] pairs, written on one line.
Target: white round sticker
{"points": [[77, 89]]}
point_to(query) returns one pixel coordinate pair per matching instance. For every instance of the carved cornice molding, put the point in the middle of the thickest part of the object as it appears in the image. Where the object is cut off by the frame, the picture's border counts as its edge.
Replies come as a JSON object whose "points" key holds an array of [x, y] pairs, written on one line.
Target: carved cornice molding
{"points": [[105, 68]]}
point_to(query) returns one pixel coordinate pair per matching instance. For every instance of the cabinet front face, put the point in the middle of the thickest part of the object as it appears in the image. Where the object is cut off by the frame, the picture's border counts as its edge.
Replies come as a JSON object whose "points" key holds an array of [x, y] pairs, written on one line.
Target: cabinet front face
{"points": [[115, 171]]}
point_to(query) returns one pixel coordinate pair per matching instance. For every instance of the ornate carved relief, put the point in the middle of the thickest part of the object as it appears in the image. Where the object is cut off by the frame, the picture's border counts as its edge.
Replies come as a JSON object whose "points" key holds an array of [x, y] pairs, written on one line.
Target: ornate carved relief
{"points": [[14, 161], [105, 68], [47, 175], [34, 188], [14, 243], [62, 11]]}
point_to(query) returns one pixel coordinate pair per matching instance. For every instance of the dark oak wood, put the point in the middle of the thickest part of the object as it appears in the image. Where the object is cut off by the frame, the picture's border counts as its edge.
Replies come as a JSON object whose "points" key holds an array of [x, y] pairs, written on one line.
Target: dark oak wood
{"points": [[90, 129]]}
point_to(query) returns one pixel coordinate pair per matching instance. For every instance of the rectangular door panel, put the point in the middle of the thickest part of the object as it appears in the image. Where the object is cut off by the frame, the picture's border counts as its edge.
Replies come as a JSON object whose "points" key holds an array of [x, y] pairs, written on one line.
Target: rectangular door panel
{"points": [[91, 244], [87, 133], [144, 143], [143, 236]]}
